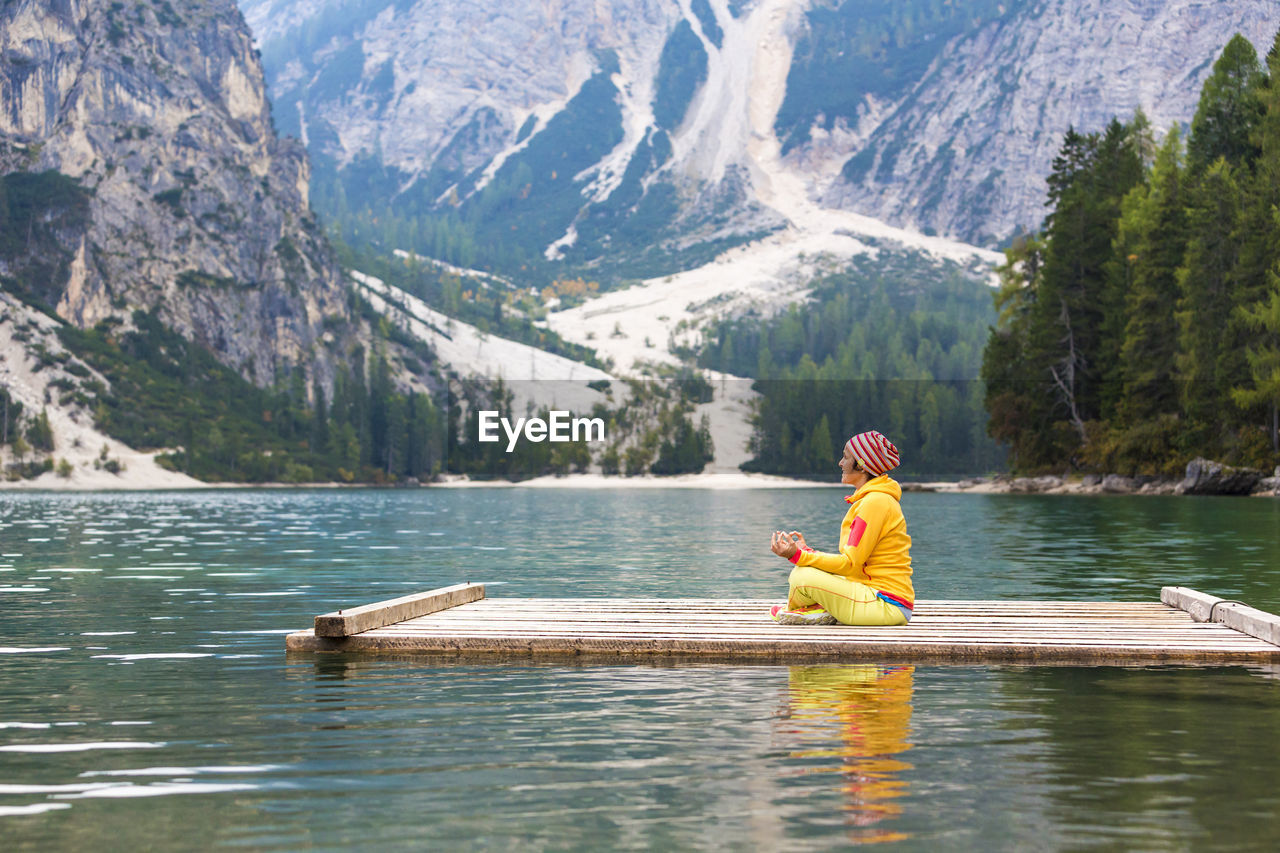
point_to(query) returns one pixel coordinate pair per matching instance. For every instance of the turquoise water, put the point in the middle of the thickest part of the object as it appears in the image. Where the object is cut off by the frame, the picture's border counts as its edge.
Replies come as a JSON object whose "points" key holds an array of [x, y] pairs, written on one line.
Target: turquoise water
{"points": [[146, 700]]}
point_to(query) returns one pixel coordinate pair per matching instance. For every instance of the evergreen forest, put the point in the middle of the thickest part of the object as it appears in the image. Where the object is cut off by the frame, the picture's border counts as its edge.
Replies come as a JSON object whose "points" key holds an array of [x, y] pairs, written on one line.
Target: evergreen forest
{"points": [[893, 344], [648, 429], [1140, 328], [167, 392]]}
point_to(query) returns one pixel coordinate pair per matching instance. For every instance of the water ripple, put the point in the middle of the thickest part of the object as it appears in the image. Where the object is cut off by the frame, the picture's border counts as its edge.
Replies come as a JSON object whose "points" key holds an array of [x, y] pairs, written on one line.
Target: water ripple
{"points": [[419, 752]]}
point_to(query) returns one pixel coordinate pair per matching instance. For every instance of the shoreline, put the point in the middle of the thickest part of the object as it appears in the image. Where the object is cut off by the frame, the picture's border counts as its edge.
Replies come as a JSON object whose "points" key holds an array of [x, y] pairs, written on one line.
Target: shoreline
{"points": [[1000, 484]]}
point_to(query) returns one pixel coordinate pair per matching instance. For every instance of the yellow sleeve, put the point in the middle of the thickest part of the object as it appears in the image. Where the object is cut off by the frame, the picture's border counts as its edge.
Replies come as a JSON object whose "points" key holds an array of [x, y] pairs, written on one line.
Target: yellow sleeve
{"points": [[834, 564], [861, 540]]}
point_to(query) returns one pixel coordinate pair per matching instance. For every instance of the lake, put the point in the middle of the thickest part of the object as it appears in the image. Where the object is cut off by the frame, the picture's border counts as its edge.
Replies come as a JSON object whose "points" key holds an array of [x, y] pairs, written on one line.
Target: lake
{"points": [[146, 698]]}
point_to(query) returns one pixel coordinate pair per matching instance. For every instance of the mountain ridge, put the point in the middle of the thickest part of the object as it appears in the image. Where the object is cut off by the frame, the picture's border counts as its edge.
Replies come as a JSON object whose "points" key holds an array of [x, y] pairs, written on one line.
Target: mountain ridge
{"points": [[935, 146], [166, 284], [195, 208]]}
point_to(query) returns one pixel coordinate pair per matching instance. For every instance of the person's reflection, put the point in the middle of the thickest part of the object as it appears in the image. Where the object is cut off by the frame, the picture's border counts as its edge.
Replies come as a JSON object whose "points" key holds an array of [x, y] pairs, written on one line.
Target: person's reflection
{"points": [[870, 708]]}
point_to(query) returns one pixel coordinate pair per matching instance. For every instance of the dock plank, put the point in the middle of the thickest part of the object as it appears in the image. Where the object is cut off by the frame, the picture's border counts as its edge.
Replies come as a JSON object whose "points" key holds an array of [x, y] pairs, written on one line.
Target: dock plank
{"points": [[941, 630], [356, 620]]}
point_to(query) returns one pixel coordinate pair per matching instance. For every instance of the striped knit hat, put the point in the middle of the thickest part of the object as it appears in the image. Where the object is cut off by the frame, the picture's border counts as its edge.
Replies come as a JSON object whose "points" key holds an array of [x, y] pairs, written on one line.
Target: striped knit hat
{"points": [[874, 452]]}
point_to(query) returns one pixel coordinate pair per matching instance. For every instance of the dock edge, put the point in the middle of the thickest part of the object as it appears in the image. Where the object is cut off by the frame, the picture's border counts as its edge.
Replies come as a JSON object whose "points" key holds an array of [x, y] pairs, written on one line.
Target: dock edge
{"points": [[356, 620], [1234, 614]]}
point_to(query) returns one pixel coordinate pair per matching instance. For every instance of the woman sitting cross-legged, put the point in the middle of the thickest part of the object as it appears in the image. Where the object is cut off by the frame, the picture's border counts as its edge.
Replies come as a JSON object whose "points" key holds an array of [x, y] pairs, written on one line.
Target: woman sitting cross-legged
{"points": [[867, 581]]}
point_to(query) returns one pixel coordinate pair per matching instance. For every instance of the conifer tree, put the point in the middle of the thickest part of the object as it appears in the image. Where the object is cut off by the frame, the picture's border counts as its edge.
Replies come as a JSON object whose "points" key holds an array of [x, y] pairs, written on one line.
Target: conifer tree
{"points": [[40, 432], [1149, 248], [395, 454], [1068, 338], [1256, 321], [1229, 109], [318, 440], [1204, 306], [1264, 359], [1123, 155], [1199, 235], [821, 447], [1053, 349], [1257, 236], [381, 428], [358, 414]]}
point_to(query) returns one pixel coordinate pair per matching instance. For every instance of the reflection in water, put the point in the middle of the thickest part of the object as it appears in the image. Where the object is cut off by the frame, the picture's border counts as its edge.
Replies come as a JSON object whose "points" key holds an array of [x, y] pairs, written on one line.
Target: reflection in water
{"points": [[162, 620], [1157, 752], [861, 716]]}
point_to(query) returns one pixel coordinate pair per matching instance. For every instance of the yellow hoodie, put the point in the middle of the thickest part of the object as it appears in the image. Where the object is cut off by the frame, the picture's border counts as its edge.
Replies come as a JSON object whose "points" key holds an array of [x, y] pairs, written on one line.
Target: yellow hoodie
{"points": [[874, 547]]}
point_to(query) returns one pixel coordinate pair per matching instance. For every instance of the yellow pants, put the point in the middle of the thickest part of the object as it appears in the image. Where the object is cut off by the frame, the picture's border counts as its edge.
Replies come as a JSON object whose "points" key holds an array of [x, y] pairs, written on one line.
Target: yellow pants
{"points": [[852, 603]]}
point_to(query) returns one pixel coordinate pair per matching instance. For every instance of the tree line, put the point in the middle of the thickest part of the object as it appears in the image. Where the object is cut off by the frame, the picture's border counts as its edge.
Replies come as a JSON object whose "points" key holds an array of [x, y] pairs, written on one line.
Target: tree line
{"points": [[163, 391], [167, 392], [27, 437], [1140, 327], [892, 344], [648, 429]]}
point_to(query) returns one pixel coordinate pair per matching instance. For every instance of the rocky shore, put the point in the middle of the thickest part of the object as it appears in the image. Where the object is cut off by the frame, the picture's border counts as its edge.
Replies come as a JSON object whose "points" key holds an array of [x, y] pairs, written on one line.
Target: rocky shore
{"points": [[1202, 477]]}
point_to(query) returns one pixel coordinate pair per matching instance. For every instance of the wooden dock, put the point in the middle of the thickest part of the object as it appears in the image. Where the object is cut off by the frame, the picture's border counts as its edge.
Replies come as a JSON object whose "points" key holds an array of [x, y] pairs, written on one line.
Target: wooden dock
{"points": [[1186, 626]]}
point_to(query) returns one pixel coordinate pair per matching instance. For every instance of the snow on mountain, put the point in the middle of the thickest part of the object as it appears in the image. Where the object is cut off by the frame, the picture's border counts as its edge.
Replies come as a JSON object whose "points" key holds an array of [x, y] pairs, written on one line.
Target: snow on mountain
{"points": [[727, 134], [462, 344], [719, 154], [538, 378], [534, 376], [940, 119], [25, 335]]}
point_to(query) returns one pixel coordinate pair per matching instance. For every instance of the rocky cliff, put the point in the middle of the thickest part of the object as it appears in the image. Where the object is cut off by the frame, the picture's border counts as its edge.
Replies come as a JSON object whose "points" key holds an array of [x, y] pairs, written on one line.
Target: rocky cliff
{"points": [[631, 115], [965, 150], [178, 195]]}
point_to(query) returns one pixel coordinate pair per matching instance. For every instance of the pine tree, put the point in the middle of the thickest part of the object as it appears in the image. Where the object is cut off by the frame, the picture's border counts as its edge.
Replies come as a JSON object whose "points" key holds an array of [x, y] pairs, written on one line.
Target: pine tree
{"points": [[1256, 321], [1204, 307], [397, 438], [318, 440], [1149, 247], [1229, 109], [10, 414], [1200, 237], [358, 415], [381, 429], [821, 448], [1123, 155], [1069, 338], [1054, 349], [1264, 359], [40, 432], [344, 450], [1256, 236]]}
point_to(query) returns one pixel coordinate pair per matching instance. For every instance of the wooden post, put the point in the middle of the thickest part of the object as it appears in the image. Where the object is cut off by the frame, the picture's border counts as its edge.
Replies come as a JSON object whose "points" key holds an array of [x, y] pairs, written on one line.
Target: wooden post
{"points": [[1233, 614], [344, 623]]}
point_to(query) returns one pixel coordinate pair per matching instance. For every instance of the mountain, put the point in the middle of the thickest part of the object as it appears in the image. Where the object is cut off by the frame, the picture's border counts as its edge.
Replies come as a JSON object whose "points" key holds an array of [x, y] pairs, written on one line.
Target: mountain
{"points": [[166, 287], [643, 137], [498, 162], [140, 156], [965, 148]]}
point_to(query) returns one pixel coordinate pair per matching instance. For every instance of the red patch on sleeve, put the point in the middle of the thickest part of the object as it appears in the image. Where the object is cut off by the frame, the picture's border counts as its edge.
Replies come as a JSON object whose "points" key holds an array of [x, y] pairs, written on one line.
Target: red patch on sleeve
{"points": [[856, 530]]}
